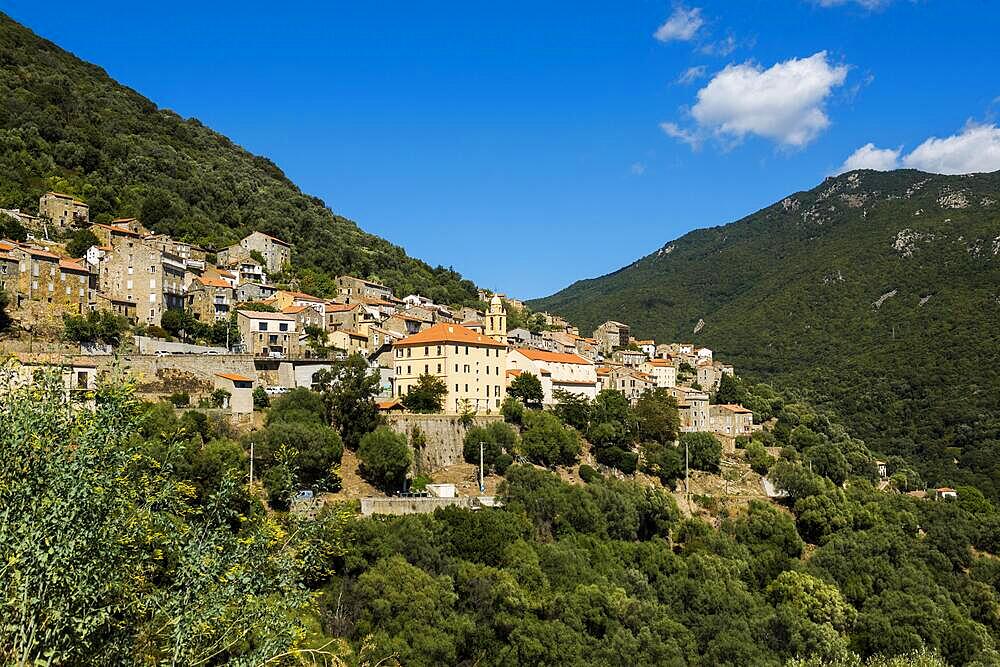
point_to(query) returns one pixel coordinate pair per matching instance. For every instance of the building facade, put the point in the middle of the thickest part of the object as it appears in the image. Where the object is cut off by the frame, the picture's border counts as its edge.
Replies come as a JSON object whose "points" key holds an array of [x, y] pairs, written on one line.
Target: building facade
{"points": [[556, 371], [471, 365]]}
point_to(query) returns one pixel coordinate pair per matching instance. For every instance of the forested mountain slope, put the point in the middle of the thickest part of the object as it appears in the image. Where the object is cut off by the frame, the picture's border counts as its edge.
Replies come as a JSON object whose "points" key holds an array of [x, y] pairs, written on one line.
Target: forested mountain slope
{"points": [[65, 125], [880, 291]]}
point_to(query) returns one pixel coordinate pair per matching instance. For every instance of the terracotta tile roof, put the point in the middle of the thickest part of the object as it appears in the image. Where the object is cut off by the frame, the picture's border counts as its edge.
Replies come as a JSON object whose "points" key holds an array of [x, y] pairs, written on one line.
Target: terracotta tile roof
{"points": [[389, 404], [275, 238], [35, 252], [577, 383], [302, 296], [212, 282], [234, 377], [339, 307], [223, 272], [514, 372], [659, 362], [117, 230], [7, 246], [449, 333], [473, 323], [738, 409], [71, 265], [294, 310], [552, 357], [261, 315], [65, 196]]}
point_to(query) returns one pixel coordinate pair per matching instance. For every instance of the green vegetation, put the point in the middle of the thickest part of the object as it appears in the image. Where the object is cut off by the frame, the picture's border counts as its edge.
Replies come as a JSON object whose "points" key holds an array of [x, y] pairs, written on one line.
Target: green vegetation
{"points": [[527, 388], [80, 242], [154, 509], [95, 327], [349, 389], [385, 459], [500, 443], [794, 294], [427, 395], [67, 126]]}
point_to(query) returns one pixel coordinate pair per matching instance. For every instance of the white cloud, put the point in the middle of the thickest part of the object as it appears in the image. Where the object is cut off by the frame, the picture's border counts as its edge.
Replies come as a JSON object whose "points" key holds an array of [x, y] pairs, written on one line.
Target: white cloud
{"points": [[870, 157], [975, 149], [692, 139], [682, 25], [870, 5], [637, 169], [783, 103], [692, 74], [722, 48]]}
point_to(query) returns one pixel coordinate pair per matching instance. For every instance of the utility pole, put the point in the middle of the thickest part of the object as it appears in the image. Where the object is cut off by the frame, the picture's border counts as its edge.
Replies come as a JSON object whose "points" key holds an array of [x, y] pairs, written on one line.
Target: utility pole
{"points": [[482, 478]]}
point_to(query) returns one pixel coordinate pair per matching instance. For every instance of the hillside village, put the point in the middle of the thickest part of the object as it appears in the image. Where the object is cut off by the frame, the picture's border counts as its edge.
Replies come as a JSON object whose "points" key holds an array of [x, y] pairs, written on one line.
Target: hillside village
{"points": [[278, 338]]}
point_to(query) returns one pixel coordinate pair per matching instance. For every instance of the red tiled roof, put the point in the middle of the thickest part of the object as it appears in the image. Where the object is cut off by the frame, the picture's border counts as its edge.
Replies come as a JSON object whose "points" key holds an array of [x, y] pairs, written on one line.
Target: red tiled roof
{"points": [[262, 315], [389, 404], [117, 230], [339, 307], [234, 377], [294, 310], [302, 296], [552, 357], [212, 282], [738, 409], [71, 265], [449, 333]]}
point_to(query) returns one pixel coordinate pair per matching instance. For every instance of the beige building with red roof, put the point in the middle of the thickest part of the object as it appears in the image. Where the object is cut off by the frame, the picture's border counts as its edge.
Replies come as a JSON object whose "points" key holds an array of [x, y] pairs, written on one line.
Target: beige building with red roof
{"points": [[732, 420], [663, 371], [470, 364], [240, 389], [269, 334], [557, 371], [210, 298]]}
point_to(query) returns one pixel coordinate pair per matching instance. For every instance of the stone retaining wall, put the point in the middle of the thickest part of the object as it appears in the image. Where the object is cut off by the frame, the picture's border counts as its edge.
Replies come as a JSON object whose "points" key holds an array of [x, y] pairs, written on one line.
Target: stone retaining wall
{"points": [[445, 436]]}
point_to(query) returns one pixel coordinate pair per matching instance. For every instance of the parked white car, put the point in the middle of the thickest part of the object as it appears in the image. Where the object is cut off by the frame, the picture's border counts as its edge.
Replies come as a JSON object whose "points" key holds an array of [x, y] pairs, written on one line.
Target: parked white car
{"points": [[276, 390], [162, 353]]}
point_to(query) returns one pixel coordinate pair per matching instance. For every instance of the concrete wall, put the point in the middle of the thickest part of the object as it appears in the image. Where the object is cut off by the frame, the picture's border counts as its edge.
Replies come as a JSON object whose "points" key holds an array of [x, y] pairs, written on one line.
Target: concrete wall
{"points": [[397, 506], [444, 434], [194, 374], [147, 345]]}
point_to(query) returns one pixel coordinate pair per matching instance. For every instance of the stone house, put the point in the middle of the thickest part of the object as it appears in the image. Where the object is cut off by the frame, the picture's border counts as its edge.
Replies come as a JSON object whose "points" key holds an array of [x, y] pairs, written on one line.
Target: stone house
{"points": [[305, 316], [37, 274], [611, 335], [63, 210], [8, 272], [349, 341], [276, 253], [648, 347], [556, 370], [112, 235], [247, 292], [151, 279], [404, 324], [471, 365], [286, 298], [210, 299], [268, 334], [693, 407], [631, 382], [75, 285], [352, 288], [248, 270], [731, 420], [630, 358]]}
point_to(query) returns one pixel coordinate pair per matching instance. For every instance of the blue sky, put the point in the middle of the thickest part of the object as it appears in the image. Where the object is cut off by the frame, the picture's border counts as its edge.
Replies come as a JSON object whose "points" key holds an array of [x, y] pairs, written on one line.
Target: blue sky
{"points": [[531, 144]]}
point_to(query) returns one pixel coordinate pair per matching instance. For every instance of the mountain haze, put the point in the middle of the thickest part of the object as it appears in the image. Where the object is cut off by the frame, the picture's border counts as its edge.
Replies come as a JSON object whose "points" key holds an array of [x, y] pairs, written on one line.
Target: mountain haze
{"points": [[880, 291], [65, 125]]}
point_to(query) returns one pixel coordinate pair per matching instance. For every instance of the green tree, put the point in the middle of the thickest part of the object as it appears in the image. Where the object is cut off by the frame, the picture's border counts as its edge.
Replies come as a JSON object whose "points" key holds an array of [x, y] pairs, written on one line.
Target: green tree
{"points": [[427, 396], [349, 389], [5, 319], [657, 417], [96, 506], [11, 228], [315, 450], [95, 327], [704, 450], [546, 441], [81, 241], [498, 440], [728, 391], [664, 462], [527, 388], [385, 458], [573, 409]]}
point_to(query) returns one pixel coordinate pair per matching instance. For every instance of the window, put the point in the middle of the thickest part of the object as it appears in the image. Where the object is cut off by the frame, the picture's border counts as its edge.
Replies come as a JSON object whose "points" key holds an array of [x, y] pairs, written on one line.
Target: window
{"points": [[439, 368], [466, 388], [456, 388], [283, 326], [467, 349], [427, 369], [427, 350], [409, 371], [409, 352], [262, 326], [399, 370], [439, 350]]}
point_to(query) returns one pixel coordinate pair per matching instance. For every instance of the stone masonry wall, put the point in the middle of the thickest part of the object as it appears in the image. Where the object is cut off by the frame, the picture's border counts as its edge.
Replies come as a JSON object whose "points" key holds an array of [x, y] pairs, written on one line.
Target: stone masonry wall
{"points": [[444, 434]]}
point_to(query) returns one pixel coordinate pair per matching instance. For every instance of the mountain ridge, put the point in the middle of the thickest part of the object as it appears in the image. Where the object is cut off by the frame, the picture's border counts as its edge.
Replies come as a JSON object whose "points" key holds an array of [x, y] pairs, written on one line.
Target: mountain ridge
{"points": [[863, 289], [66, 125]]}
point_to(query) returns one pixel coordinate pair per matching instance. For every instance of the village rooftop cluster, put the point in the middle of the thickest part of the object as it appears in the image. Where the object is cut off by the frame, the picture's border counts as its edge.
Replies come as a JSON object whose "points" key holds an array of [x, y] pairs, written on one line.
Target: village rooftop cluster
{"points": [[141, 275]]}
